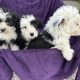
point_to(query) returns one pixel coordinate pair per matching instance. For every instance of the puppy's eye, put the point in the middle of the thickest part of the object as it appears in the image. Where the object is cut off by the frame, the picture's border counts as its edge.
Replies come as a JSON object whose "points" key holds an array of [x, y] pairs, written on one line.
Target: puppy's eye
{"points": [[0, 20], [13, 28], [77, 24], [25, 27]]}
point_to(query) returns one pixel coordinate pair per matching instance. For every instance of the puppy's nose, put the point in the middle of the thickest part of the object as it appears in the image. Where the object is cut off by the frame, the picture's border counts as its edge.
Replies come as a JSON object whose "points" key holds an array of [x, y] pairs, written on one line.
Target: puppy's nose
{"points": [[31, 34], [3, 30]]}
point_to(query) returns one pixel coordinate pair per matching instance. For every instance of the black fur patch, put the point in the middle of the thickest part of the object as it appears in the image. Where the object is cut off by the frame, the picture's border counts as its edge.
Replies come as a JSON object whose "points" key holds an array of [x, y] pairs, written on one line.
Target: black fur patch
{"points": [[47, 35], [12, 20], [0, 20], [2, 42], [13, 41], [9, 22], [36, 23], [20, 41], [39, 43]]}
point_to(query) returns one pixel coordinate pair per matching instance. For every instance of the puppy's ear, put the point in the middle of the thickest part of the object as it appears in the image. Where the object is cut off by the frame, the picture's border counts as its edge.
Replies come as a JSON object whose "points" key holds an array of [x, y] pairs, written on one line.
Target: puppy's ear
{"points": [[3, 10], [16, 22], [15, 18], [12, 19], [57, 22], [36, 23]]}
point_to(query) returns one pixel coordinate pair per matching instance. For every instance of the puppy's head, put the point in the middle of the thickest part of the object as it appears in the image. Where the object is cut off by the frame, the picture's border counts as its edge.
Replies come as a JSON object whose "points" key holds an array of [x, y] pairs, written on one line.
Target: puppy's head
{"points": [[69, 25], [66, 19], [29, 27], [8, 26]]}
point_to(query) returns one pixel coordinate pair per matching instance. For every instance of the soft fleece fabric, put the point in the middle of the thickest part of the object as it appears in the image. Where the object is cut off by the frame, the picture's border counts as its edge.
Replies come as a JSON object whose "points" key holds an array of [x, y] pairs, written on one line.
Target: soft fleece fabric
{"points": [[37, 64]]}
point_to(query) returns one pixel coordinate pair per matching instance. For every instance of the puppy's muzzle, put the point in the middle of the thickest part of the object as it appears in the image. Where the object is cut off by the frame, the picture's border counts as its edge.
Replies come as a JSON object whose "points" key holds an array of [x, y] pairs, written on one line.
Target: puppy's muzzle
{"points": [[31, 34], [3, 30]]}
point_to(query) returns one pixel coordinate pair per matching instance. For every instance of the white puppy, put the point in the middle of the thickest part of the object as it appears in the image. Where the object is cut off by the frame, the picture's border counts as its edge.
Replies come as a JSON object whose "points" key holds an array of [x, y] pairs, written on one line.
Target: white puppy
{"points": [[64, 23]]}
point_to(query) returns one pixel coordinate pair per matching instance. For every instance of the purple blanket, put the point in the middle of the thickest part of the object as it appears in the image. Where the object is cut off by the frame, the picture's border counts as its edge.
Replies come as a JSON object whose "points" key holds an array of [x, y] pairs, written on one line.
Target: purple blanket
{"points": [[42, 64]]}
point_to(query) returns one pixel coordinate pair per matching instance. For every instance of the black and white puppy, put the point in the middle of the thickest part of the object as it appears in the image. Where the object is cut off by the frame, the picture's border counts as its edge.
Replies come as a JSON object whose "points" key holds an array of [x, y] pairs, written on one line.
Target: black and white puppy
{"points": [[43, 41], [29, 26], [8, 30]]}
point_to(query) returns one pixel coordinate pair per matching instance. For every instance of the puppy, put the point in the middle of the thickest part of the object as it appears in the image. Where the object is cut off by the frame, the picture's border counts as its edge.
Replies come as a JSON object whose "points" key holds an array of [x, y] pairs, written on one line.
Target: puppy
{"points": [[41, 42], [8, 30], [29, 26], [64, 23]]}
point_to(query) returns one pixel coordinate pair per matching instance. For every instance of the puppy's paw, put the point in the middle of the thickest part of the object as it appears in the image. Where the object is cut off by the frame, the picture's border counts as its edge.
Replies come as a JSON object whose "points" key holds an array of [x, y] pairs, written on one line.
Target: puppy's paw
{"points": [[68, 54], [14, 48]]}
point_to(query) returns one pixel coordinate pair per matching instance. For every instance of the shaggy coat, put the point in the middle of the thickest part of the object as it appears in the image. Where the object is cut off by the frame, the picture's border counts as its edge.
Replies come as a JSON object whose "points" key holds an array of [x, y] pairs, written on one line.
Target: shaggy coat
{"points": [[64, 23], [29, 27], [8, 30]]}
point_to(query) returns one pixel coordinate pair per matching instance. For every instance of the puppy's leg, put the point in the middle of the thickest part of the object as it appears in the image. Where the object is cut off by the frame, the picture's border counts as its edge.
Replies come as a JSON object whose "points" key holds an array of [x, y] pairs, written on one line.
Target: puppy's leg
{"points": [[68, 53], [64, 45], [14, 47], [15, 77], [4, 47]]}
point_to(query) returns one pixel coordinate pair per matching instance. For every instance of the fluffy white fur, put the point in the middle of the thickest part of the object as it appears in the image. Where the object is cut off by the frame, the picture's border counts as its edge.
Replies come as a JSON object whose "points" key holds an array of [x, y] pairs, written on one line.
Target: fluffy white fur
{"points": [[2, 14], [64, 23], [4, 47], [27, 28], [9, 32]]}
